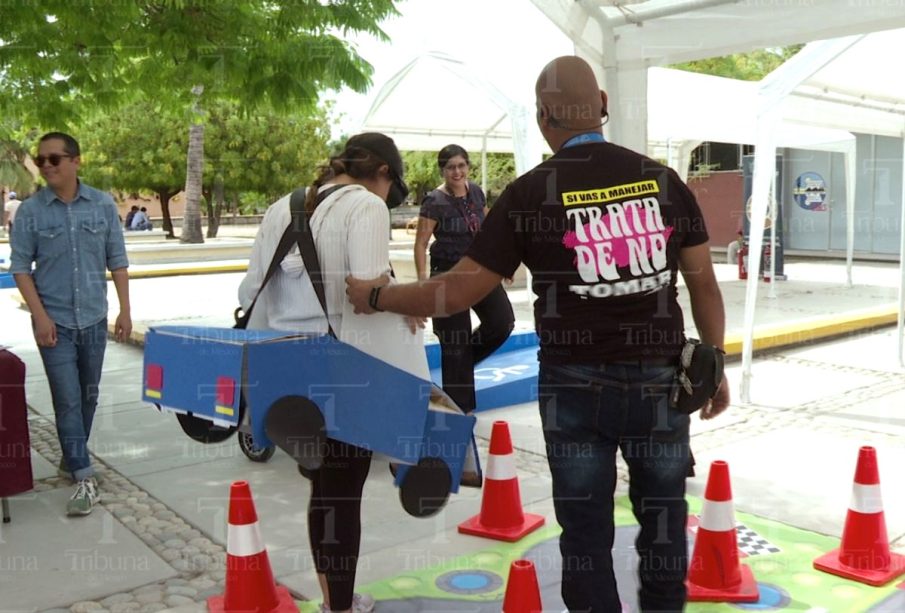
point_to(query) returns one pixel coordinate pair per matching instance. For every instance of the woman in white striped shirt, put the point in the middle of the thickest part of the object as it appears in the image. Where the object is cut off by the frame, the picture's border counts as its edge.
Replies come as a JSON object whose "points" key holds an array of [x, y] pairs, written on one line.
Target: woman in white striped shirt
{"points": [[347, 205]]}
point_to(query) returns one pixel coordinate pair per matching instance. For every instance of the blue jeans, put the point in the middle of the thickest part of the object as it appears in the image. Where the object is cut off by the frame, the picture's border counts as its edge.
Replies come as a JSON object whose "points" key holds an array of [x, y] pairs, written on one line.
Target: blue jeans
{"points": [[73, 370], [588, 411]]}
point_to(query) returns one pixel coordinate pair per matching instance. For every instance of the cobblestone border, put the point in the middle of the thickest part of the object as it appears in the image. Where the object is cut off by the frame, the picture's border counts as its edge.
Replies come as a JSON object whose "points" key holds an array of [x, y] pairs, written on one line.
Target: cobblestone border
{"points": [[200, 562]]}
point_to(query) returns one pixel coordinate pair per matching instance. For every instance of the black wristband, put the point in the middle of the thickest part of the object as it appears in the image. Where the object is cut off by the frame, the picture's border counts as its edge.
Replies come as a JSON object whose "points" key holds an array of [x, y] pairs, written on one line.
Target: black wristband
{"points": [[374, 296]]}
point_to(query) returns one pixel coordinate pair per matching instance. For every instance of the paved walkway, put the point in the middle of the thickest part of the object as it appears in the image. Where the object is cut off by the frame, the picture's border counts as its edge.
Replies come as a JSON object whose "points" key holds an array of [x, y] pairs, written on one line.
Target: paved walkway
{"points": [[158, 539]]}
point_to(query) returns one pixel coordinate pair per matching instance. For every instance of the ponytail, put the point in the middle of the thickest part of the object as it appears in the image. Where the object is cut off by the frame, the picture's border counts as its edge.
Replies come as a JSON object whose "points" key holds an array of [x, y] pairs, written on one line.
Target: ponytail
{"points": [[356, 162], [333, 168]]}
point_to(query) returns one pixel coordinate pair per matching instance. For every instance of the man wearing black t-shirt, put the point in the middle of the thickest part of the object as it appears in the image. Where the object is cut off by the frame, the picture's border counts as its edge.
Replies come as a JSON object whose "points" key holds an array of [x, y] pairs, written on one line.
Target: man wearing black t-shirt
{"points": [[604, 232]]}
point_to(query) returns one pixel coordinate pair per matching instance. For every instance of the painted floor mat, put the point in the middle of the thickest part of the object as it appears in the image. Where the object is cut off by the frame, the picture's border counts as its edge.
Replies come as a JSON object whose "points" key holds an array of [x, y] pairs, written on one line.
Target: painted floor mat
{"points": [[780, 555]]}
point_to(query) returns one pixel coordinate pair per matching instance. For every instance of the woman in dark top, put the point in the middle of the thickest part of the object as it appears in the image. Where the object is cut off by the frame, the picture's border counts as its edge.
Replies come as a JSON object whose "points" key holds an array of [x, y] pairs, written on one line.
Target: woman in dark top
{"points": [[453, 214]]}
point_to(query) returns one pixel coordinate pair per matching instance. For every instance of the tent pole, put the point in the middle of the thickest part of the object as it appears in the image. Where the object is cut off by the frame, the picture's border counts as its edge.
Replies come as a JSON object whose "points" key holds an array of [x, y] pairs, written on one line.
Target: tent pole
{"points": [[772, 210], [764, 169], [901, 313], [850, 212]]}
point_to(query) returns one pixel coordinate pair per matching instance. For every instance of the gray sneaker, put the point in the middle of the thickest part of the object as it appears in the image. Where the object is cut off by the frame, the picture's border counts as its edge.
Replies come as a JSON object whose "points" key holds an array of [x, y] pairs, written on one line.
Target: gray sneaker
{"points": [[84, 498]]}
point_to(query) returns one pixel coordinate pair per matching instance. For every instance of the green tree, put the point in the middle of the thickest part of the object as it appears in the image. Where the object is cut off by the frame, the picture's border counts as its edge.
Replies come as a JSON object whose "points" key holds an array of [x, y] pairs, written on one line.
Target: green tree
{"points": [[59, 58], [140, 147], [500, 173], [421, 173], [15, 144], [751, 66], [264, 152]]}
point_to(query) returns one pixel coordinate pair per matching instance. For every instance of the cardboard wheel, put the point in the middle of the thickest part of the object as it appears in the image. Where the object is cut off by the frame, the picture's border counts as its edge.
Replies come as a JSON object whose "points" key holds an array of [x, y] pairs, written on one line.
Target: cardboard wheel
{"points": [[203, 430], [296, 425], [425, 487]]}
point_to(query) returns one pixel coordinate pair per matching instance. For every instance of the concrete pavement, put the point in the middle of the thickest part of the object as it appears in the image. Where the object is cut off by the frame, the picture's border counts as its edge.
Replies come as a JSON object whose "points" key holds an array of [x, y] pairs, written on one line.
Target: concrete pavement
{"points": [[157, 541]]}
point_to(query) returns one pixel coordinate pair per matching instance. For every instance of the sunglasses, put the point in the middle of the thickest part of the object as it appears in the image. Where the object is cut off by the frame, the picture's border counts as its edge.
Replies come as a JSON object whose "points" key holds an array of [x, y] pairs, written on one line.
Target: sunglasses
{"points": [[53, 158]]}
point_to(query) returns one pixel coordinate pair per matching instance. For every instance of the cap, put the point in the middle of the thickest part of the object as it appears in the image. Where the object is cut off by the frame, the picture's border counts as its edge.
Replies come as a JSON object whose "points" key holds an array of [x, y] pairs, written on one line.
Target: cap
{"points": [[12, 195], [383, 147]]}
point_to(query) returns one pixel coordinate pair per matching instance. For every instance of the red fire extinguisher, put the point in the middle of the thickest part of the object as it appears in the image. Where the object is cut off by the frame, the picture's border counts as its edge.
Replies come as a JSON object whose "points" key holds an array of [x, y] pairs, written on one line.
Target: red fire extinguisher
{"points": [[768, 256], [743, 260]]}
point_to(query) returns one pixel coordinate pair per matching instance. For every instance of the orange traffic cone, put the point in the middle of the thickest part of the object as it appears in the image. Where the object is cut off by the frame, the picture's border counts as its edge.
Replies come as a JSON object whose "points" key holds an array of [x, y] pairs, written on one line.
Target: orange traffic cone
{"points": [[501, 514], [864, 553], [249, 581], [715, 574], [522, 591]]}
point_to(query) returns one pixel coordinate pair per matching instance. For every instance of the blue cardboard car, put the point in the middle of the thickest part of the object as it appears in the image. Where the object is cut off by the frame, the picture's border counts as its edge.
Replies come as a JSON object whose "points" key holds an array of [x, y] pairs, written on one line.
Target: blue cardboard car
{"points": [[295, 390]]}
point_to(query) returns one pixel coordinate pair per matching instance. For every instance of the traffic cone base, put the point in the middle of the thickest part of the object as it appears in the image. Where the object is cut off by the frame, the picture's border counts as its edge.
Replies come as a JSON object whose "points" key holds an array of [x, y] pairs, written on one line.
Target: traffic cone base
{"points": [[249, 585], [864, 555], [501, 515], [714, 572], [511, 534], [830, 563], [746, 591], [285, 603]]}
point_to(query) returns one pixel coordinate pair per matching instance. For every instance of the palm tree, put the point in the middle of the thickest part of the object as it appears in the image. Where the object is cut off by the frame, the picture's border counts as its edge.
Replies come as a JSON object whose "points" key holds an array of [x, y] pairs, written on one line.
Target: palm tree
{"points": [[191, 220]]}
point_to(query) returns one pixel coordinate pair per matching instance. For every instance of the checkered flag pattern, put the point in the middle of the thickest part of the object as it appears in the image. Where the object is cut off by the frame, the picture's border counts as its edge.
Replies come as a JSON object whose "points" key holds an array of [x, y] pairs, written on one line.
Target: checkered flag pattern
{"points": [[751, 543]]}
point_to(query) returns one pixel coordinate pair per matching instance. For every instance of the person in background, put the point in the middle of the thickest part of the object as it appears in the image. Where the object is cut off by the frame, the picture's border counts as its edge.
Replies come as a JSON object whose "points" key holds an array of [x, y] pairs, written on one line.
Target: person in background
{"points": [[347, 204], [71, 233], [12, 205], [141, 221], [453, 213], [605, 232], [129, 217]]}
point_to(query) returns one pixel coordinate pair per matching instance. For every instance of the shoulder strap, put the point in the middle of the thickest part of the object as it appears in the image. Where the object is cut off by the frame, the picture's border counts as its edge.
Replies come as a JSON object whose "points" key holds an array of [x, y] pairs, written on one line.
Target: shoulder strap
{"points": [[306, 245], [301, 233]]}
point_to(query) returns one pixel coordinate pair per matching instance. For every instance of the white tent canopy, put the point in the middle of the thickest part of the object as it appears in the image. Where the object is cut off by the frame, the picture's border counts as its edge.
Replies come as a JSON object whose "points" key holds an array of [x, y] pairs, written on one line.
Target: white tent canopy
{"points": [[623, 38], [436, 100], [721, 110]]}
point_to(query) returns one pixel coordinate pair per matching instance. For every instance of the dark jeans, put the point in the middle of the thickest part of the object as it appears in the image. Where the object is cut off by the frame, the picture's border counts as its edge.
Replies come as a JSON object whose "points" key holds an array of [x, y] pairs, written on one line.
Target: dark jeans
{"points": [[73, 368], [334, 518], [588, 411], [461, 348]]}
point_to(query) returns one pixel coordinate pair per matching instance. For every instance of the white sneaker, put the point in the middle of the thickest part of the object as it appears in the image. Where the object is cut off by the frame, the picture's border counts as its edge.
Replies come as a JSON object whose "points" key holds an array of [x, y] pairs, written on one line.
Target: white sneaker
{"points": [[361, 603], [84, 498]]}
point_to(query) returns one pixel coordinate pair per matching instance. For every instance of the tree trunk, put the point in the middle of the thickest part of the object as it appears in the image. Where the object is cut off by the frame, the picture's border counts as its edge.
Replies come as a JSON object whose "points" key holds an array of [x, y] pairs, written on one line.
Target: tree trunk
{"points": [[215, 208], [191, 222], [165, 195]]}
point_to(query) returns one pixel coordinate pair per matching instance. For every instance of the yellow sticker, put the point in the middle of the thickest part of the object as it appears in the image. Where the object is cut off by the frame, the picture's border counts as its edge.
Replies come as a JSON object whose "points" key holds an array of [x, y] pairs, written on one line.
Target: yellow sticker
{"points": [[152, 393], [223, 410], [609, 194]]}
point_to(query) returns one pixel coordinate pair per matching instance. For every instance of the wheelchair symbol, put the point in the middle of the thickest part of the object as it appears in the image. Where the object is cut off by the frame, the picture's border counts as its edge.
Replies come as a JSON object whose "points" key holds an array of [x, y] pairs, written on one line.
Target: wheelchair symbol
{"points": [[498, 374]]}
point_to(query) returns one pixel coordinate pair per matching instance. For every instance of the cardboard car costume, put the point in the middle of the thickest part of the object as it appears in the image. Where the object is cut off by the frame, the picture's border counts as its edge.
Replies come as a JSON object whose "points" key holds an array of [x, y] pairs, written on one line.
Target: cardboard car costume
{"points": [[295, 390]]}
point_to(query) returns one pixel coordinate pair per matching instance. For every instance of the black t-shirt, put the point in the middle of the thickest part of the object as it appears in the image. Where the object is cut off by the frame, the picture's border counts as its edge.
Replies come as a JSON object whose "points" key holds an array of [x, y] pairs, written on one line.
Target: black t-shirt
{"points": [[457, 221], [600, 228]]}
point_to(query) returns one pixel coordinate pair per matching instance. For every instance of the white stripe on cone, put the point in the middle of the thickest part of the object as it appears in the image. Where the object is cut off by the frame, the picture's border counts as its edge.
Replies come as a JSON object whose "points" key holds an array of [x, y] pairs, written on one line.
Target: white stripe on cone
{"points": [[501, 467], [717, 516], [244, 540], [866, 499]]}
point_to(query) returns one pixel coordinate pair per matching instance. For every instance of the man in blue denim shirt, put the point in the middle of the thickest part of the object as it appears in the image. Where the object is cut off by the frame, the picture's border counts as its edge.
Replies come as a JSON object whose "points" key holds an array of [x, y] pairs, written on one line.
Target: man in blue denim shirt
{"points": [[72, 235], [605, 232]]}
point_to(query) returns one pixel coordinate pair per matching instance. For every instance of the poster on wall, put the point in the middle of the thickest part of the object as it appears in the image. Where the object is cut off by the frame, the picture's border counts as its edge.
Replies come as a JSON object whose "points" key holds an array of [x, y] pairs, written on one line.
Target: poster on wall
{"points": [[810, 191]]}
